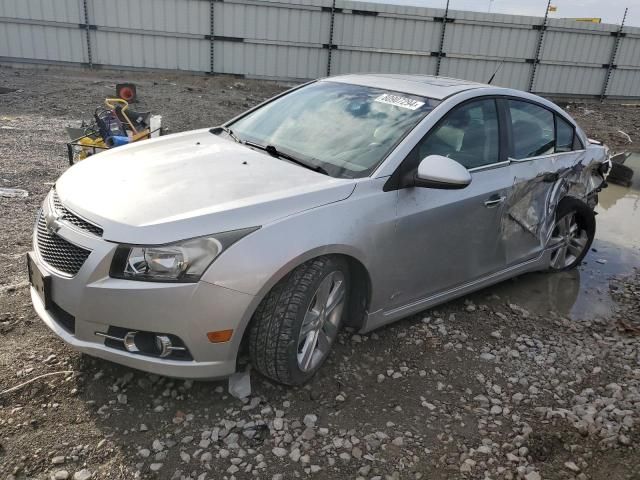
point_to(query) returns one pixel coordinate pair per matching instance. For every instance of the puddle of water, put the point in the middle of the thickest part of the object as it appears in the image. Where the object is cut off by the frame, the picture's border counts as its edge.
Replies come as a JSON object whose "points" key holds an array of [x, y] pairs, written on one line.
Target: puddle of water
{"points": [[584, 292]]}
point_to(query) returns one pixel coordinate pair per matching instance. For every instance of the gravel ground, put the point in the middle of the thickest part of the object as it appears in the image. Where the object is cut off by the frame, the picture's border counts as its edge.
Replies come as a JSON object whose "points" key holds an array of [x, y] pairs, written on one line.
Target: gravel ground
{"points": [[477, 388], [617, 125]]}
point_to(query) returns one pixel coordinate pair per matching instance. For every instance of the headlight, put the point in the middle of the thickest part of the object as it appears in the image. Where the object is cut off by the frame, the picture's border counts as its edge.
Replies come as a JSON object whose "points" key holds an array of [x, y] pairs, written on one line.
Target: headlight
{"points": [[183, 261]]}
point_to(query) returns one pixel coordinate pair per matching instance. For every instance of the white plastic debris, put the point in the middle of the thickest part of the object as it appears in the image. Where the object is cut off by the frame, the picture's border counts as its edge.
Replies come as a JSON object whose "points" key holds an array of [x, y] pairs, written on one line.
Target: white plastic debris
{"points": [[13, 193], [155, 123], [626, 135], [240, 384]]}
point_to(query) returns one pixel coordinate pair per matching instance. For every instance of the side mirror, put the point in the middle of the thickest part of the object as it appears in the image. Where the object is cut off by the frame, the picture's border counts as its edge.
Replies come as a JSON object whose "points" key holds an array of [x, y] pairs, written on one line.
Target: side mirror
{"points": [[436, 171]]}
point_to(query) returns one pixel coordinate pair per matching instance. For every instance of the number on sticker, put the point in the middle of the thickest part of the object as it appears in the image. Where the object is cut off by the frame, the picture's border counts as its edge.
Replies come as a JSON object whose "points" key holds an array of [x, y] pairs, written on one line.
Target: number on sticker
{"points": [[398, 101]]}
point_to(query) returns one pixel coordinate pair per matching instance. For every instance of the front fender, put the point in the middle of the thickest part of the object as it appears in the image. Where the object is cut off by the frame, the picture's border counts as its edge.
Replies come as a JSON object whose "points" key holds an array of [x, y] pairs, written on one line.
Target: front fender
{"points": [[360, 227], [259, 261]]}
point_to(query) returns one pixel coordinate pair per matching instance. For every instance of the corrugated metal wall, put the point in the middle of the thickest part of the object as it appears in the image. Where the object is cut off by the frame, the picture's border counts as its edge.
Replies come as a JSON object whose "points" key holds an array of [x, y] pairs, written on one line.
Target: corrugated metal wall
{"points": [[300, 39]]}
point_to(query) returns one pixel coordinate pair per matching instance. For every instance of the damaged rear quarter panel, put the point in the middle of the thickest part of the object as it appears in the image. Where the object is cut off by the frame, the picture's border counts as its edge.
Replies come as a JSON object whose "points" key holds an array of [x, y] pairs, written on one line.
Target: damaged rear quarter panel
{"points": [[539, 184]]}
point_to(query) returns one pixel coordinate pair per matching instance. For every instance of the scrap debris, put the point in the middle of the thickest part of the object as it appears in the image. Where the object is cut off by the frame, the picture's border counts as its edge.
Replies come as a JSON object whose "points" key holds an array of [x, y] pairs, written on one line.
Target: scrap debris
{"points": [[13, 193], [31, 380], [626, 135], [240, 384], [620, 174], [113, 125]]}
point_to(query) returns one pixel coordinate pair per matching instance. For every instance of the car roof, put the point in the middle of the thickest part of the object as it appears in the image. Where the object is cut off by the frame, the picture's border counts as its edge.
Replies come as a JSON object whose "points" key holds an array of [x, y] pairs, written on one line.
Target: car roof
{"points": [[429, 86]]}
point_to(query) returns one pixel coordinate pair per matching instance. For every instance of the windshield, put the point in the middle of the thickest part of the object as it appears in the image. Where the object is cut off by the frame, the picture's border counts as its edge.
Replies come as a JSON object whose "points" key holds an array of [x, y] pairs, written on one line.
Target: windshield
{"points": [[347, 130]]}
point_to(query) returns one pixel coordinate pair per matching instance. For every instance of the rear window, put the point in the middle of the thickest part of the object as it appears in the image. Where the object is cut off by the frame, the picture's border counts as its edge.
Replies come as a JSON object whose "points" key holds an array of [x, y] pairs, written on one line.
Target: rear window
{"points": [[564, 135], [532, 128]]}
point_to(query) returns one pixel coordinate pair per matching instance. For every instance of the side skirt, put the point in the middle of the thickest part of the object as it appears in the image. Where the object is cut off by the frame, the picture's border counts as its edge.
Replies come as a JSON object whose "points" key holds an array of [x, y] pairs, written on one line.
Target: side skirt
{"points": [[381, 317]]}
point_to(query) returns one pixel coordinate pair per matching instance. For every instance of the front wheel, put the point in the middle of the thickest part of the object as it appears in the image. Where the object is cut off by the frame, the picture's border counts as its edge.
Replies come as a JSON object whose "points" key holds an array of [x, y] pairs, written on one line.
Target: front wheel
{"points": [[297, 323], [572, 234]]}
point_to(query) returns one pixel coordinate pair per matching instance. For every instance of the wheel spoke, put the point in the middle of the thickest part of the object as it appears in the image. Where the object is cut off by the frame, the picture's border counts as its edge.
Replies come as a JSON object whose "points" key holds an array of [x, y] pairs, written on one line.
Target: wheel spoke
{"points": [[562, 256], [555, 242], [335, 297], [559, 257], [309, 323], [330, 329], [306, 356], [322, 295], [568, 220], [574, 250], [573, 228], [321, 322], [324, 342], [583, 238], [578, 241]]}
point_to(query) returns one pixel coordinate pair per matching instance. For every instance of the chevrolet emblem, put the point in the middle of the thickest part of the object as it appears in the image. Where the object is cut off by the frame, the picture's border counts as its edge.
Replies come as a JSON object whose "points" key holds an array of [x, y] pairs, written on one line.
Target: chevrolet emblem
{"points": [[52, 222]]}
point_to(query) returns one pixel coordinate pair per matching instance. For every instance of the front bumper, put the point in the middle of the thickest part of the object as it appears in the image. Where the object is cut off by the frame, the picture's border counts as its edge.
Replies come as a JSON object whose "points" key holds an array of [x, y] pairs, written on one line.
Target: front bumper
{"points": [[95, 302], [197, 369]]}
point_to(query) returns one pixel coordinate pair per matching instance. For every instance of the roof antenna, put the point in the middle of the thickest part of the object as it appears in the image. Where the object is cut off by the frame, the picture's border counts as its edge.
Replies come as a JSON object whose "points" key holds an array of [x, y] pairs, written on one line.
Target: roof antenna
{"points": [[494, 73]]}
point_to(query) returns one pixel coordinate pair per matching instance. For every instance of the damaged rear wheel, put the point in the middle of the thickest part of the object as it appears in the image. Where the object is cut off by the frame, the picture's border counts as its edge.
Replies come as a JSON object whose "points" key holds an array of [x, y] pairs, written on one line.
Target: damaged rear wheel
{"points": [[572, 234]]}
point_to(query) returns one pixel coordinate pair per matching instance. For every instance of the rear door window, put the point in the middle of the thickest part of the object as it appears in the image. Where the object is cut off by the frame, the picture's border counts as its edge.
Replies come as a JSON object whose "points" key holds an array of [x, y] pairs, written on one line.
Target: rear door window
{"points": [[564, 135], [532, 128]]}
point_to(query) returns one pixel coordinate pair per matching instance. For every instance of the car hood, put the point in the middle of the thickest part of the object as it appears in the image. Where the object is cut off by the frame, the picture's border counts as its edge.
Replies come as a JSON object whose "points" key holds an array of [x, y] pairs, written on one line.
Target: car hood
{"points": [[190, 184]]}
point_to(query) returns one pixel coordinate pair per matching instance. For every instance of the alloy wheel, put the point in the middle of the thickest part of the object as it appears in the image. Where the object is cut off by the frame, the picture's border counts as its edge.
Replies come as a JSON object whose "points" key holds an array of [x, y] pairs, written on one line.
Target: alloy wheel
{"points": [[569, 240], [321, 321]]}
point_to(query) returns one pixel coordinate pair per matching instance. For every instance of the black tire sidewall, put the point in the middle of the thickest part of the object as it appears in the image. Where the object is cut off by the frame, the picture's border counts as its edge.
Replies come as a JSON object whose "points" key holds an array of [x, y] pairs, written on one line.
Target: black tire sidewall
{"points": [[331, 265]]}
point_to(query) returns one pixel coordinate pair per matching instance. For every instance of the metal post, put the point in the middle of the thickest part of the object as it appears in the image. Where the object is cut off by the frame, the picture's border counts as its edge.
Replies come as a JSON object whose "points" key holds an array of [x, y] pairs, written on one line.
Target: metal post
{"points": [[614, 52], [330, 44], [440, 48], [211, 35], [87, 28], [536, 59]]}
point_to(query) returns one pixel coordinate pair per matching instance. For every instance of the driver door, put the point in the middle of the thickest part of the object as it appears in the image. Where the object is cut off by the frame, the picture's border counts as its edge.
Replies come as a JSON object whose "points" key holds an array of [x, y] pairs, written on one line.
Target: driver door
{"points": [[445, 238]]}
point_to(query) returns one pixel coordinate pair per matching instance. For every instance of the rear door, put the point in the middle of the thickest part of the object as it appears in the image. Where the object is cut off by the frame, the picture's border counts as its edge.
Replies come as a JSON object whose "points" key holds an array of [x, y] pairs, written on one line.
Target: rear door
{"points": [[445, 238], [542, 148]]}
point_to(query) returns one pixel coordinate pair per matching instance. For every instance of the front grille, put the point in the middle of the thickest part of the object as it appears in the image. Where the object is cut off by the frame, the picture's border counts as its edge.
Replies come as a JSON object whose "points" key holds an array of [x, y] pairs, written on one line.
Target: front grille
{"points": [[68, 216], [57, 252]]}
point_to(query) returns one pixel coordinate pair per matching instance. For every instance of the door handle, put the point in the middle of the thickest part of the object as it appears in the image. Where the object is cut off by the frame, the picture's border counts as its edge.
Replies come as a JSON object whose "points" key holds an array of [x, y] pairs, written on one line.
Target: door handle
{"points": [[494, 201]]}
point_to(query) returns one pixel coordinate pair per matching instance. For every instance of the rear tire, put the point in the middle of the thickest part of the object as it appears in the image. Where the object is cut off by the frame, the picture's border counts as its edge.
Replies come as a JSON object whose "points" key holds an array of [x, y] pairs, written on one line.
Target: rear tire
{"points": [[573, 234], [296, 324]]}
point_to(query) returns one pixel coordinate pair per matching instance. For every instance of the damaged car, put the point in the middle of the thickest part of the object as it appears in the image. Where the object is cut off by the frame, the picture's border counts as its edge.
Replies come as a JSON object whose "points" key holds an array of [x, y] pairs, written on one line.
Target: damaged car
{"points": [[352, 201]]}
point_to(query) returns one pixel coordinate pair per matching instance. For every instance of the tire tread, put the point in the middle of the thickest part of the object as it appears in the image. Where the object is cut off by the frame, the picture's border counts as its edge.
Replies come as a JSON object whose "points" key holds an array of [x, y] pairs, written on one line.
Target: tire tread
{"points": [[275, 320]]}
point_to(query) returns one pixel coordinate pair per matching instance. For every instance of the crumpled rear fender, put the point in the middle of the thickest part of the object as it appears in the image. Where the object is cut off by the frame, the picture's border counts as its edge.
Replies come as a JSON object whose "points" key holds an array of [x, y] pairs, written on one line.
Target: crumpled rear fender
{"points": [[532, 201], [582, 181]]}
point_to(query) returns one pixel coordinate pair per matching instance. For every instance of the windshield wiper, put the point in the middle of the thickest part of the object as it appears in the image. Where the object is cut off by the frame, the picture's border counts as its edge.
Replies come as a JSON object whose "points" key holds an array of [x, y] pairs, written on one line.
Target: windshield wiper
{"points": [[272, 150], [227, 130]]}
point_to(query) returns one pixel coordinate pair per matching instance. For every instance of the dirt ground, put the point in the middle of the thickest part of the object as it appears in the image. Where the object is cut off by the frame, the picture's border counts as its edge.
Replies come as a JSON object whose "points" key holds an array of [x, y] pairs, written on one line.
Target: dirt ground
{"points": [[537, 378]]}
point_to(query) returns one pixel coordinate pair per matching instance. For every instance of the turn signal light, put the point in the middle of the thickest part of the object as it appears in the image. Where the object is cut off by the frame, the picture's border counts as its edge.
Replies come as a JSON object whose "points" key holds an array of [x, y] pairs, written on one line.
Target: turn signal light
{"points": [[220, 336]]}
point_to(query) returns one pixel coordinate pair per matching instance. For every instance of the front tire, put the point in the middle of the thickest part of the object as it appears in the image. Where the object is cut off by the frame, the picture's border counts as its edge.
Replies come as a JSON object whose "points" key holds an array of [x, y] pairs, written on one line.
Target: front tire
{"points": [[298, 321], [572, 234]]}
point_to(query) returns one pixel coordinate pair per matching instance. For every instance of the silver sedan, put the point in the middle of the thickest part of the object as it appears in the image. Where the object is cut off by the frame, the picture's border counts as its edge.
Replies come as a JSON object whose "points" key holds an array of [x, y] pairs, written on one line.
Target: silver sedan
{"points": [[354, 200]]}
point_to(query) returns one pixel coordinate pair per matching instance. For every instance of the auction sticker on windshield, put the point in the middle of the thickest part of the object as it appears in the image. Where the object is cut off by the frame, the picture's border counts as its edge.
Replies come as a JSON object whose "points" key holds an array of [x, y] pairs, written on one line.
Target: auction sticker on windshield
{"points": [[399, 101]]}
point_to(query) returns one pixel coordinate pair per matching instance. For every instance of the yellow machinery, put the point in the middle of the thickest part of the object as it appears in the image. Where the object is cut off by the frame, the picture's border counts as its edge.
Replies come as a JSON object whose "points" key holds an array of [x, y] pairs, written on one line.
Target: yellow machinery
{"points": [[114, 125]]}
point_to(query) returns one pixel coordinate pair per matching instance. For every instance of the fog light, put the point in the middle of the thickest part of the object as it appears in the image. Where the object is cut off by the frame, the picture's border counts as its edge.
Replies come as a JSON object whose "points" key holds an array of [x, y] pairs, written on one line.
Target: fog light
{"points": [[129, 342], [220, 336], [163, 344]]}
